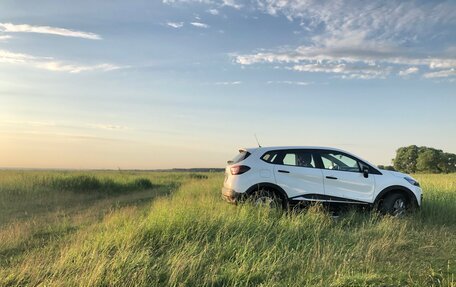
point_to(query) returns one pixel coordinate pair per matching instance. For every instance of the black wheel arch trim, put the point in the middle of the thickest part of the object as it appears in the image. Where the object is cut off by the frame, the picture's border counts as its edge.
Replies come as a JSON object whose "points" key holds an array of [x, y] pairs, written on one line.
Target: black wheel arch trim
{"points": [[396, 188], [257, 186]]}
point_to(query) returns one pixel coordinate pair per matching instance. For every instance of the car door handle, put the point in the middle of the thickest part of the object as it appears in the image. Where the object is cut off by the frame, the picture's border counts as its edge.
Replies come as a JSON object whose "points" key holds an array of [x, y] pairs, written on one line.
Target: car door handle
{"points": [[283, 171], [331, 177]]}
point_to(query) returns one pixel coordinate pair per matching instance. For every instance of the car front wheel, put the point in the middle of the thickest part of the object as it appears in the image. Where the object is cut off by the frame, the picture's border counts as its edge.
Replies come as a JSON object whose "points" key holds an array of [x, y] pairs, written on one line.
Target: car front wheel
{"points": [[395, 204]]}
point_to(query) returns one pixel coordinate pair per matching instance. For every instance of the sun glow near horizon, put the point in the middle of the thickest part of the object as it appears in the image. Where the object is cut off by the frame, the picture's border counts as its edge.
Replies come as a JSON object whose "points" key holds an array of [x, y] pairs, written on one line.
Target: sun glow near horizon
{"points": [[187, 83]]}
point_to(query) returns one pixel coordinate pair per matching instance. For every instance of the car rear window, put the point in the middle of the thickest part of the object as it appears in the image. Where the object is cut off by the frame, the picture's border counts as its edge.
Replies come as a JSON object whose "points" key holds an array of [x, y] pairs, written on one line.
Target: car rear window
{"points": [[243, 154]]}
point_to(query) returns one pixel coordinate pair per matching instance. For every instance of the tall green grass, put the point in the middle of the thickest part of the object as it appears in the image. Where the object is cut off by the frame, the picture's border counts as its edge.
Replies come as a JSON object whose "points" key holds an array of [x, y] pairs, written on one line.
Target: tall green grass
{"points": [[187, 236]]}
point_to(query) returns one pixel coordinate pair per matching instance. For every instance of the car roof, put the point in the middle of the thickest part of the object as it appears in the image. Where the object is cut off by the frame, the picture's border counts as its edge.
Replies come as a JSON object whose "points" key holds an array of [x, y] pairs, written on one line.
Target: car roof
{"points": [[292, 147]]}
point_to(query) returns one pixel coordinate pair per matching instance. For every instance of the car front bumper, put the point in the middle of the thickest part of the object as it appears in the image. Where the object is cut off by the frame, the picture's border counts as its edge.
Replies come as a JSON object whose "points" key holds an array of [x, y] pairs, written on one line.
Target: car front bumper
{"points": [[231, 196]]}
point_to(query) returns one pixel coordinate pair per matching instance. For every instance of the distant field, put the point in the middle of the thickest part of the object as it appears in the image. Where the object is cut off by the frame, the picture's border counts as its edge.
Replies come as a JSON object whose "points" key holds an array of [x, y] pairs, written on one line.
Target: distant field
{"points": [[172, 229]]}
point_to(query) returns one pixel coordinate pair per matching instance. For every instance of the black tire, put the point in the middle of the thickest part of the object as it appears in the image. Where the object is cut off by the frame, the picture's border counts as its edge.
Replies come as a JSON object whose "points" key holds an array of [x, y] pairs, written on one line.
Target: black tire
{"points": [[395, 204], [267, 198]]}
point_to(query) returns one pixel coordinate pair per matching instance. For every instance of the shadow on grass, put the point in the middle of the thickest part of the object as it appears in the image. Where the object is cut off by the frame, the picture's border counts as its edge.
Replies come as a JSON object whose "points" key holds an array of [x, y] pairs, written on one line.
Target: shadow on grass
{"points": [[60, 216], [436, 212], [9, 256], [90, 183]]}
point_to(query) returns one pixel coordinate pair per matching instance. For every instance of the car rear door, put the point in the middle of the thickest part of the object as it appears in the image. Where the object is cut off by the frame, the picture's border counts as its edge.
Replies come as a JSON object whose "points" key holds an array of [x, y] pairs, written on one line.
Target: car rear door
{"points": [[296, 173], [343, 178]]}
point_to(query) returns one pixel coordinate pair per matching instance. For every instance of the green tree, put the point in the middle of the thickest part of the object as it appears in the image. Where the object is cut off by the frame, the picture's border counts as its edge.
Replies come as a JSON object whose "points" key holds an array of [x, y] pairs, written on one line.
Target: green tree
{"points": [[406, 159], [386, 167], [424, 159], [429, 160], [447, 162]]}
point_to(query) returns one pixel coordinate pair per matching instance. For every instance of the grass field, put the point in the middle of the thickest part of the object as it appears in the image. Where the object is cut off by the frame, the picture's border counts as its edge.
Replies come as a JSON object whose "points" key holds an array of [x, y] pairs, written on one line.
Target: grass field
{"points": [[172, 229]]}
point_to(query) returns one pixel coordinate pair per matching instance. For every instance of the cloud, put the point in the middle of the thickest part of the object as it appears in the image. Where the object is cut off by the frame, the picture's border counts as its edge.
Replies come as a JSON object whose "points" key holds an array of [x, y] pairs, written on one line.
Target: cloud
{"points": [[31, 123], [297, 83], [50, 64], [25, 28], [228, 83], [220, 3], [362, 63], [356, 39], [52, 124], [176, 25], [187, 1], [335, 19], [409, 71], [231, 3], [346, 70], [441, 74], [213, 11], [199, 25], [111, 127], [57, 66], [5, 37], [17, 58]]}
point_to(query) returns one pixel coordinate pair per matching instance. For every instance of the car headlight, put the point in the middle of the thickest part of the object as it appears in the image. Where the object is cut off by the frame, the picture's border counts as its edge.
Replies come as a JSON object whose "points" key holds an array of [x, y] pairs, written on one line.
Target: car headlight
{"points": [[412, 181]]}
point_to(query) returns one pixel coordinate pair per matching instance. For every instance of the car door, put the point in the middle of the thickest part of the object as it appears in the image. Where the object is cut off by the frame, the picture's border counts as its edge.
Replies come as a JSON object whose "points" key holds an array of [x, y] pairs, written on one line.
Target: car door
{"points": [[296, 173], [344, 179]]}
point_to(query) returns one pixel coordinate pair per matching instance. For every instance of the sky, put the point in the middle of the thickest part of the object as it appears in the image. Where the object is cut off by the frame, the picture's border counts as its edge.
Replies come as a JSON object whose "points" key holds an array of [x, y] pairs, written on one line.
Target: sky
{"points": [[185, 83]]}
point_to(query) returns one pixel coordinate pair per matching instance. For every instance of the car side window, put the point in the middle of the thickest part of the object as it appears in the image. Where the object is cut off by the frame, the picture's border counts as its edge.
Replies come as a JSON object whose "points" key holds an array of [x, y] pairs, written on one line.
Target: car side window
{"points": [[339, 161], [269, 157], [289, 159], [298, 158]]}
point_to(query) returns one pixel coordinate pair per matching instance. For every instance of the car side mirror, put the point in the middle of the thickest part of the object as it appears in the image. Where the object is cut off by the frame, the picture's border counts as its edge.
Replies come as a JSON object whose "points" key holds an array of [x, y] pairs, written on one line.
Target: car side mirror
{"points": [[366, 171]]}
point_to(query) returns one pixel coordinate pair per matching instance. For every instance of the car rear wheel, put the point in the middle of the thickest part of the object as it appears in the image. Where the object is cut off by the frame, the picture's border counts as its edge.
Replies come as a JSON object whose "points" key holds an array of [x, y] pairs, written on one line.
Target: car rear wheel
{"points": [[395, 204], [267, 198]]}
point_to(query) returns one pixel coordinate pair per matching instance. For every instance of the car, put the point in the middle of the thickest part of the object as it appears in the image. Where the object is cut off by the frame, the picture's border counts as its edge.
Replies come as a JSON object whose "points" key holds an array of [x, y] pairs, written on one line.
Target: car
{"points": [[287, 176]]}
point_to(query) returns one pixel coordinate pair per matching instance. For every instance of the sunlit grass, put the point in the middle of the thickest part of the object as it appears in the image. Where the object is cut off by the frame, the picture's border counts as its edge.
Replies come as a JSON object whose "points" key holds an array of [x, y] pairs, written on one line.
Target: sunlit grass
{"points": [[180, 233]]}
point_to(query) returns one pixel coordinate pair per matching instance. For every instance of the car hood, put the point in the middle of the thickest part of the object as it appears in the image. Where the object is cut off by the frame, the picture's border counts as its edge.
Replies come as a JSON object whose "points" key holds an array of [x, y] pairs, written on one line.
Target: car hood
{"points": [[396, 173]]}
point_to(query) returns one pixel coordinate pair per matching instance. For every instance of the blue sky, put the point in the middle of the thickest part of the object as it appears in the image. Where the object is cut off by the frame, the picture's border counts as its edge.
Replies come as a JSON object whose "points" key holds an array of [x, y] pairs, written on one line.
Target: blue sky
{"points": [[184, 83]]}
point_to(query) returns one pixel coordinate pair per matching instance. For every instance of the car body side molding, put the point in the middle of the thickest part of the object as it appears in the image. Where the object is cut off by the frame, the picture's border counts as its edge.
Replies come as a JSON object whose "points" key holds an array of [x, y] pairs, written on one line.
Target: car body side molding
{"points": [[326, 198]]}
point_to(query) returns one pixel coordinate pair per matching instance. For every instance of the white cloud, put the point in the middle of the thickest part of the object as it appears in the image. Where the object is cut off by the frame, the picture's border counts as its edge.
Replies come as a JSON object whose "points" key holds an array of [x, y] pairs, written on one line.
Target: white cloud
{"points": [[213, 11], [31, 123], [17, 58], [75, 68], [382, 20], [228, 83], [50, 64], [297, 83], [111, 127], [25, 28], [409, 71], [231, 3], [221, 3], [360, 62], [441, 74], [346, 70], [187, 1], [52, 124], [5, 37], [367, 54], [357, 39], [199, 25], [175, 24]]}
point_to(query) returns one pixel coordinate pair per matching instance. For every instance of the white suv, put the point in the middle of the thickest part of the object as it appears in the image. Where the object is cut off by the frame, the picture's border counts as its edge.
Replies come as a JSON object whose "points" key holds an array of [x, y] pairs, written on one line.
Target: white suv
{"points": [[285, 176]]}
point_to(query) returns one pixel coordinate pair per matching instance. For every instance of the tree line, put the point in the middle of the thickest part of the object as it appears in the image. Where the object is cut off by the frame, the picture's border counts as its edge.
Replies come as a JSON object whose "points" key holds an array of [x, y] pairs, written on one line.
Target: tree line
{"points": [[413, 159]]}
